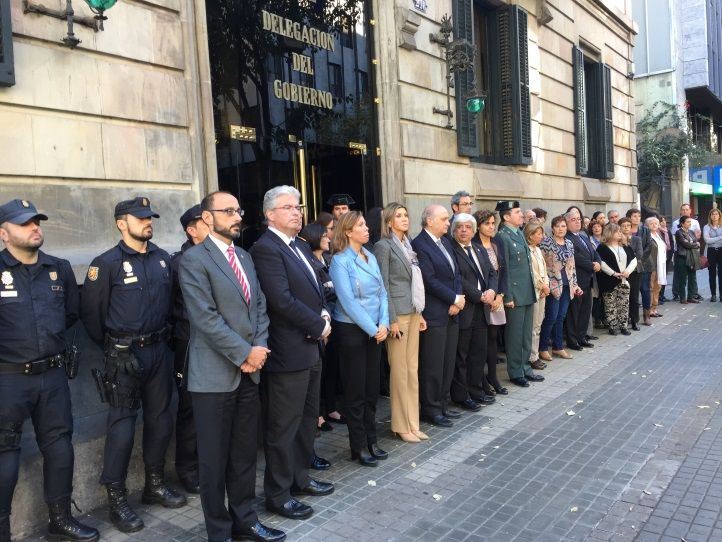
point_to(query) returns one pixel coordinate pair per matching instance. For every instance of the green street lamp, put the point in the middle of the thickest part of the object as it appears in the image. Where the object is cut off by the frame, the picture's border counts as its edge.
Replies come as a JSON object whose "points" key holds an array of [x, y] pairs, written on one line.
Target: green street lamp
{"points": [[475, 104], [99, 7]]}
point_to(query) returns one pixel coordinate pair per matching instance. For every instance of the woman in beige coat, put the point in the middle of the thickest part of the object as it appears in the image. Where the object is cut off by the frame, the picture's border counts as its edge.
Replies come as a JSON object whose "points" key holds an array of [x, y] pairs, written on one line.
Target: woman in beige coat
{"points": [[534, 233]]}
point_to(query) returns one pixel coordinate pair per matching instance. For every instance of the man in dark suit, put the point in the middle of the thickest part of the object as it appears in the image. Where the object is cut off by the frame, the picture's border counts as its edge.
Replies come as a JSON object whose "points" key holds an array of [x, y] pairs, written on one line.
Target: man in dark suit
{"points": [[444, 301], [466, 386], [587, 263], [228, 347], [291, 382]]}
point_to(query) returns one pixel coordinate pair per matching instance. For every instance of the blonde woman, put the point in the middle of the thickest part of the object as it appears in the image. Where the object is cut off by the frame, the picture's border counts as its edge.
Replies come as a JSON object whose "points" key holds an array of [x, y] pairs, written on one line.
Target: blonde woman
{"points": [[618, 263], [405, 289], [534, 233], [712, 233]]}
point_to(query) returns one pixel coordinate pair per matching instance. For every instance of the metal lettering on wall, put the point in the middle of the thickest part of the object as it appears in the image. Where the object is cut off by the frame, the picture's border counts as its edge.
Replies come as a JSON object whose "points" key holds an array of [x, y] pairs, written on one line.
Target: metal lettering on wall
{"points": [[300, 63]]}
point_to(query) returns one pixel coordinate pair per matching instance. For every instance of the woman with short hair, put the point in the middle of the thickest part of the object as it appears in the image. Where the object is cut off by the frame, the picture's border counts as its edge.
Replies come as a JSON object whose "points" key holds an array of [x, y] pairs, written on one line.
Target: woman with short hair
{"points": [[712, 233], [655, 263], [534, 234], [686, 261]]}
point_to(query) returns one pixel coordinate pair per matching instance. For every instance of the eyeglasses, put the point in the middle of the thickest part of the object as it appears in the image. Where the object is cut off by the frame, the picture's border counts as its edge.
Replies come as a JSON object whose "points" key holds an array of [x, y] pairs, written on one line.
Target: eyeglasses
{"points": [[574, 219], [287, 208], [230, 211]]}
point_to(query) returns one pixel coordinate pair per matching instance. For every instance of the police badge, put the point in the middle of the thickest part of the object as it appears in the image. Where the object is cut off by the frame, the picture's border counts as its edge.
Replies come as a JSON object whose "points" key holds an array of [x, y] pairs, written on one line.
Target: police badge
{"points": [[127, 268], [7, 279], [93, 273], [53, 275]]}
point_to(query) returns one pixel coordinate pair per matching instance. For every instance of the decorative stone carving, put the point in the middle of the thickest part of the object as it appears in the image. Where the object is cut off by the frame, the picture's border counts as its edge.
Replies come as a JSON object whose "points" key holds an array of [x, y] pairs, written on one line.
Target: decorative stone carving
{"points": [[544, 14], [409, 21]]}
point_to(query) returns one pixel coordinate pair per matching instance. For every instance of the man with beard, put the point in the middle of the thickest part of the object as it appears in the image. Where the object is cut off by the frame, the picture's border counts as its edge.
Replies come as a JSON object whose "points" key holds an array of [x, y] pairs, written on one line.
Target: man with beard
{"points": [[299, 322], [228, 347], [186, 458], [125, 306], [38, 302]]}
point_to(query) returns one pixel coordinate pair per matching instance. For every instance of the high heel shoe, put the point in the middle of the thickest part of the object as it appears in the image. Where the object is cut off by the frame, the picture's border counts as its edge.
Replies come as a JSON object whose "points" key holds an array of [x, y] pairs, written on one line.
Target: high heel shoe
{"points": [[364, 458], [408, 437], [420, 434]]}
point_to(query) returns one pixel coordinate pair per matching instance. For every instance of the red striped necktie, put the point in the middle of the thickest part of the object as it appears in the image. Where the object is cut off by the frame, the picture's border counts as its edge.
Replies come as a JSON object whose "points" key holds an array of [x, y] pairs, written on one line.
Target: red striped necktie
{"points": [[231, 252]]}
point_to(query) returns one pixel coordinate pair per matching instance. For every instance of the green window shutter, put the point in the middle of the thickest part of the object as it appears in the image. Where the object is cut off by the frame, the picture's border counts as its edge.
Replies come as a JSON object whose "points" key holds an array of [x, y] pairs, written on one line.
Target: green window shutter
{"points": [[466, 127], [7, 70], [606, 151], [580, 112], [515, 107]]}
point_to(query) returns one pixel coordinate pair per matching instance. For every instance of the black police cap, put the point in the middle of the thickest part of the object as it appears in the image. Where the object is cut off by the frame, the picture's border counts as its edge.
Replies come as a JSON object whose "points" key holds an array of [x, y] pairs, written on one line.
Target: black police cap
{"points": [[506, 205], [138, 207], [194, 213], [19, 211], [340, 199]]}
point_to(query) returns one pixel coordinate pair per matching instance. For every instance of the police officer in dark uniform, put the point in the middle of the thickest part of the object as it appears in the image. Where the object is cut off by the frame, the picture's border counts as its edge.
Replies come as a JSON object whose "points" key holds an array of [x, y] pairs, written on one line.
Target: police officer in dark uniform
{"points": [[38, 303], [186, 457], [126, 306], [340, 204]]}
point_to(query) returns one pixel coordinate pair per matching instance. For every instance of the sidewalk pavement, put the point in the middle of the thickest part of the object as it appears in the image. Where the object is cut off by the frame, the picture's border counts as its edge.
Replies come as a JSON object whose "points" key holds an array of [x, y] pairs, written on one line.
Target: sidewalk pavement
{"points": [[613, 445]]}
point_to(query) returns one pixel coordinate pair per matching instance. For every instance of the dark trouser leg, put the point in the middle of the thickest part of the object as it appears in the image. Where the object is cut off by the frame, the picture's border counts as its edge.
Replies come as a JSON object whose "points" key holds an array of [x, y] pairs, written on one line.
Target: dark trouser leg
{"points": [[303, 441], [227, 432], [330, 377], [157, 396], [551, 309], [634, 287], [186, 459], [120, 434], [53, 423], [371, 395], [354, 373], [580, 309], [517, 337], [459, 382], [432, 345], [680, 277], [283, 397], [692, 284], [675, 280], [646, 290], [478, 351], [558, 327], [491, 356], [451, 343]]}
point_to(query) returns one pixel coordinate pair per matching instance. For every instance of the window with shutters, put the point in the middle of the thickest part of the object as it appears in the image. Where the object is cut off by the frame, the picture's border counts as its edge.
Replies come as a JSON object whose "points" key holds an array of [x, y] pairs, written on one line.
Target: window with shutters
{"points": [[593, 125], [501, 133], [7, 69]]}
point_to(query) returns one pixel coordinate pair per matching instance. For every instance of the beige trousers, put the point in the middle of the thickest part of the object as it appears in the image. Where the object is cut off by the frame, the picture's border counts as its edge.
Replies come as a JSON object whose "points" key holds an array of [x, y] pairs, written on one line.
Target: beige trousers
{"points": [[656, 288], [536, 327], [404, 379]]}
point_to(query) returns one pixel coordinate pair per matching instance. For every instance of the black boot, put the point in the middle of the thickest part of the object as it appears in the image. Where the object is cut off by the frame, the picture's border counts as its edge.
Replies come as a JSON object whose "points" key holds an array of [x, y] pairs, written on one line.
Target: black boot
{"points": [[157, 492], [5, 529], [63, 526], [121, 514]]}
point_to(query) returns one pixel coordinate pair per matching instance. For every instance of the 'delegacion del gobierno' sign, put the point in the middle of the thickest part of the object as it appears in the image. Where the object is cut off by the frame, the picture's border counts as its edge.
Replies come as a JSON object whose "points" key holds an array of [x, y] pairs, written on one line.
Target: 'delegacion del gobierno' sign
{"points": [[301, 63]]}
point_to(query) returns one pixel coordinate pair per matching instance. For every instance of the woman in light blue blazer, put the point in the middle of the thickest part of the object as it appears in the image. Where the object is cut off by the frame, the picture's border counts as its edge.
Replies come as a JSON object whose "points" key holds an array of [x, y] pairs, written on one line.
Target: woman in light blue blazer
{"points": [[360, 324]]}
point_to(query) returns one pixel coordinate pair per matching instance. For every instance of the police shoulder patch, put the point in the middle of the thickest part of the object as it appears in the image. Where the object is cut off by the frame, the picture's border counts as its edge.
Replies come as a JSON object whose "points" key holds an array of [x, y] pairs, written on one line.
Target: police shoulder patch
{"points": [[93, 272]]}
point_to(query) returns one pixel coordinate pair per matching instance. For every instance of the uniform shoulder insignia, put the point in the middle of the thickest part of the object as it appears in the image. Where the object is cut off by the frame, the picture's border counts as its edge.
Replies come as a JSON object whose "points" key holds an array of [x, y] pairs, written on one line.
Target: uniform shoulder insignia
{"points": [[93, 272], [163, 264]]}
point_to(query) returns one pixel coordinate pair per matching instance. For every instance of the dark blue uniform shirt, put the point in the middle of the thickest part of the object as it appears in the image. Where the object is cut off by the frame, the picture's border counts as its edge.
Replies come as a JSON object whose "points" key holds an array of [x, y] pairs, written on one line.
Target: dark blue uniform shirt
{"points": [[38, 303], [127, 292], [181, 326]]}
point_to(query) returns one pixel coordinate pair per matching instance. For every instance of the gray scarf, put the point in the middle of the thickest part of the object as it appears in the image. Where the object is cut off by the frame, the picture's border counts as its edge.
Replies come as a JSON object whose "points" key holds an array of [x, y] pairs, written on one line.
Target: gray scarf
{"points": [[418, 297]]}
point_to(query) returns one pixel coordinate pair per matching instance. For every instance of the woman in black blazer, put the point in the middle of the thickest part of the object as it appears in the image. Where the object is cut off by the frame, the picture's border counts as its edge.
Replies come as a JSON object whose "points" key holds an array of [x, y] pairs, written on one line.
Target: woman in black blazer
{"points": [[618, 263], [484, 239]]}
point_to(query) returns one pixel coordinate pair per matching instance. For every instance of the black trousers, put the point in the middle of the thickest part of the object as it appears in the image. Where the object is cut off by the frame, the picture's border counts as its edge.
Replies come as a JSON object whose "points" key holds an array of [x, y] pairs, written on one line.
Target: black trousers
{"points": [[360, 375], [227, 425], [578, 314], [186, 456], [156, 384], [635, 283], [714, 259], [330, 382], [492, 355], [45, 399], [290, 416], [470, 359], [437, 357]]}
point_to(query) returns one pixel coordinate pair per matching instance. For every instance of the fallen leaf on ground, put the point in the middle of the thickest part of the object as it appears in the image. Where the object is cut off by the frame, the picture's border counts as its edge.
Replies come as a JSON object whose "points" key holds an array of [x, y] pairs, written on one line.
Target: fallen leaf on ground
{"points": [[437, 497], [702, 406], [413, 465], [579, 402], [634, 373], [371, 483], [658, 425], [713, 316], [644, 376], [573, 509], [646, 492], [706, 429], [496, 447], [571, 413]]}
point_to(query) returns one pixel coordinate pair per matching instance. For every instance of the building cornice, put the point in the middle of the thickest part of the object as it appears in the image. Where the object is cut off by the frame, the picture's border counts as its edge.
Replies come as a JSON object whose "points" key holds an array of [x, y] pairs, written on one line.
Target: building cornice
{"points": [[621, 18]]}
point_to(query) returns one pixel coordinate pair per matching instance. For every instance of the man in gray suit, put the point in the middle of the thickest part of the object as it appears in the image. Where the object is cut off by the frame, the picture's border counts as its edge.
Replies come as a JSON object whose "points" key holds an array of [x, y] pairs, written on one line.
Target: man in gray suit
{"points": [[228, 347]]}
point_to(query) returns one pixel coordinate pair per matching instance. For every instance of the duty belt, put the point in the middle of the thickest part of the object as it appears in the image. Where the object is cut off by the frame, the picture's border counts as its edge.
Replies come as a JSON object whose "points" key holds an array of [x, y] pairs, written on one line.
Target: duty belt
{"points": [[33, 367], [139, 340]]}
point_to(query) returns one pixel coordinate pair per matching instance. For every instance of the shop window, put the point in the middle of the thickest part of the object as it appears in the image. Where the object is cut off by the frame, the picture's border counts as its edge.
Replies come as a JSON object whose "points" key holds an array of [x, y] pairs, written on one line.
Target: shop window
{"points": [[7, 69], [501, 133], [593, 126]]}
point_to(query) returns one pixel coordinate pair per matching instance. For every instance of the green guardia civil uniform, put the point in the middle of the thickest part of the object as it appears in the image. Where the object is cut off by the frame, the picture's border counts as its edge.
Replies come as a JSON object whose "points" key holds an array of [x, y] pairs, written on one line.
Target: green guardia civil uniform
{"points": [[518, 329]]}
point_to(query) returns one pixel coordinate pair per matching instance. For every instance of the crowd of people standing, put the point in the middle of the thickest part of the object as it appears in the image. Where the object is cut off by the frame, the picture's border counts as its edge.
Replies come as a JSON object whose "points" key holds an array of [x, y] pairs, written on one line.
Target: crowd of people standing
{"points": [[294, 335]]}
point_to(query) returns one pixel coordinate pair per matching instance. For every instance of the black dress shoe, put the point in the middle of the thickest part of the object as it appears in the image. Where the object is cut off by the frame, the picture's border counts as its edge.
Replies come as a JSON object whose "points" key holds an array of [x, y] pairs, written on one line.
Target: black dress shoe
{"points": [[261, 533], [190, 484], [592, 338], [484, 399], [573, 346], [501, 390], [325, 426], [315, 488], [364, 458], [534, 378], [451, 414], [635, 327], [470, 404], [319, 463], [291, 509], [586, 344], [522, 382], [625, 332], [377, 452], [439, 421]]}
